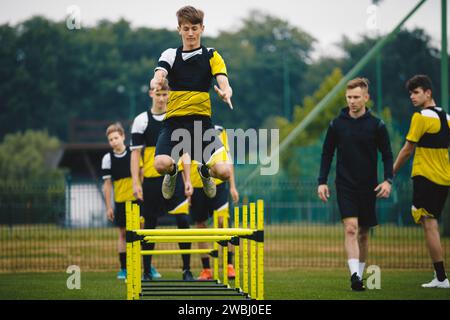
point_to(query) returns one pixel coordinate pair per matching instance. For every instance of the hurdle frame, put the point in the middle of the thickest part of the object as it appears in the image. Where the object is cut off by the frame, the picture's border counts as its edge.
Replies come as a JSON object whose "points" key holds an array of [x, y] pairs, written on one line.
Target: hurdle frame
{"points": [[253, 236]]}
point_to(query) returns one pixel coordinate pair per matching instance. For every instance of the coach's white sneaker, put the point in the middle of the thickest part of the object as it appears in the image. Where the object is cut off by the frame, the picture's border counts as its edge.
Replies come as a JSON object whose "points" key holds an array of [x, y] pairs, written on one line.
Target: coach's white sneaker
{"points": [[168, 185], [435, 283], [209, 187]]}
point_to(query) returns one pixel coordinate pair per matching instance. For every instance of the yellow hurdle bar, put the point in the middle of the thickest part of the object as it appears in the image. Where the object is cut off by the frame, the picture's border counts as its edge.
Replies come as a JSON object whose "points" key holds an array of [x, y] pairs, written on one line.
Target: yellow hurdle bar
{"points": [[182, 251], [157, 239], [128, 219], [216, 247], [196, 232], [245, 250], [237, 280], [252, 253], [260, 212], [137, 253], [225, 254]]}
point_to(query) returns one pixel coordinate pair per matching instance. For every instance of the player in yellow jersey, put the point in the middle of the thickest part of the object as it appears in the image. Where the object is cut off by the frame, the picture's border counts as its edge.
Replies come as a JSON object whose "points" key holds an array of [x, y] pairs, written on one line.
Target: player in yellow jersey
{"points": [[190, 70], [117, 176], [429, 137]]}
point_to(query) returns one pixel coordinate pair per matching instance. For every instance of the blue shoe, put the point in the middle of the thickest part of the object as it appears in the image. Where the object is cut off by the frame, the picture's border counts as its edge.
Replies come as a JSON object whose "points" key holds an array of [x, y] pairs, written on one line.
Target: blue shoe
{"points": [[122, 274], [155, 273]]}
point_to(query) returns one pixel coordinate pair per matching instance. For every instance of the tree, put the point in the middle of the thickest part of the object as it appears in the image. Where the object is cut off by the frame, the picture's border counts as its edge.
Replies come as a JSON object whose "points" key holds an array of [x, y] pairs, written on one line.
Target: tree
{"points": [[26, 158], [315, 130]]}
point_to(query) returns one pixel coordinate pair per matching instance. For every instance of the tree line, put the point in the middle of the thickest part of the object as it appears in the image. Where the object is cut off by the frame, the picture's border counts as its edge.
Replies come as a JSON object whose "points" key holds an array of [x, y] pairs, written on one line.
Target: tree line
{"points": [[50, 75]]}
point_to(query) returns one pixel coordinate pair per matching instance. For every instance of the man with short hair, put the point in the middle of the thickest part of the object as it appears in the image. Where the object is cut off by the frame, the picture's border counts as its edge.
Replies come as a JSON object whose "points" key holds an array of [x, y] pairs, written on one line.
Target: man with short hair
{"points": [[429, 137], [358, 136], [190, 70]]}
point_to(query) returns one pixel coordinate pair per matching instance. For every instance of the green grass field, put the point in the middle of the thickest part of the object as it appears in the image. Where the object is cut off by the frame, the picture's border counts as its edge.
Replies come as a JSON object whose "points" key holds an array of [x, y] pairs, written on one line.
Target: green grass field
{"points": [[301, 284]]}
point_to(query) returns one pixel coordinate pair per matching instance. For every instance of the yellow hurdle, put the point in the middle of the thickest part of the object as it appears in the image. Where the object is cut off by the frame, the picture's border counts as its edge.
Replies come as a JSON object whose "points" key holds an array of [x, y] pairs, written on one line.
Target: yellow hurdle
{"points": [[137, 253], [157, 239], [252, 253], [245, 250], [196, 232], [255, 232], [225, 253], [237, 280], [128, 217], [260, 212], [179, 251], [216, 247]]}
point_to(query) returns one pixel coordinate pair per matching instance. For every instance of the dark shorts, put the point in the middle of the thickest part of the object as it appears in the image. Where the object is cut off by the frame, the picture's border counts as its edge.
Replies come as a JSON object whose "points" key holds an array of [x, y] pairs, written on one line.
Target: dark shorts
{"points": [[154, 203], [429, 196], [175, 143], [202, 207], [359, 205], [119, 213]]}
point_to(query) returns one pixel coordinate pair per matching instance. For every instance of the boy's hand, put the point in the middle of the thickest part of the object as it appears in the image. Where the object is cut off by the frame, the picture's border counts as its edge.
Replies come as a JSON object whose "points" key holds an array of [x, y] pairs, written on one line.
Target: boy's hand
{"points": [[137, 192], [110, 214], [188, 189], [225, 95], [156, 84], [234, 195]]}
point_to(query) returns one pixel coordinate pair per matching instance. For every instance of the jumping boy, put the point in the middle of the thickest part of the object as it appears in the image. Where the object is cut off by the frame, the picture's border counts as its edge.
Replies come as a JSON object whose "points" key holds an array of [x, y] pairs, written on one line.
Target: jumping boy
{"points": [[190, 70]]}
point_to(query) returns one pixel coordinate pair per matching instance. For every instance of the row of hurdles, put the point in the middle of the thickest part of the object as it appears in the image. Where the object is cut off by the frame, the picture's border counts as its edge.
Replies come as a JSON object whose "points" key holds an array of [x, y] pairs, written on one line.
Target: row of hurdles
{"points": [[248, 242]]}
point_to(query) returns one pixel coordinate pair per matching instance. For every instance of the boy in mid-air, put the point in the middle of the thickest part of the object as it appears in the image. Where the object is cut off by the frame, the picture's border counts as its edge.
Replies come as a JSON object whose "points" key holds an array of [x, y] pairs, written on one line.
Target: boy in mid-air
{"points": [[190, 70]]}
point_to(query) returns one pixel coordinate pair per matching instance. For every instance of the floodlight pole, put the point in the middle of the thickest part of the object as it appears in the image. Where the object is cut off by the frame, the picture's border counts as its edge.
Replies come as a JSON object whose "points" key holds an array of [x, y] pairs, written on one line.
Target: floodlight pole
{"points": [[444, 57]]}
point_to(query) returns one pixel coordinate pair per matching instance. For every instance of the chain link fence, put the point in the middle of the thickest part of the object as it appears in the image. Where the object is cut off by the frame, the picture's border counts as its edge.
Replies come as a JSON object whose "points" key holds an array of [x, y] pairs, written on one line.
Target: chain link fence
{"points": [[48, 227]]}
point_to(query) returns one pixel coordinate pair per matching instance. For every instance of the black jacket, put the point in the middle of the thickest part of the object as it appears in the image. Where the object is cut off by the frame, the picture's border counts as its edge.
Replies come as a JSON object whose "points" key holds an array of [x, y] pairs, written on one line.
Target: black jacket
{"points": [[357, 142]]}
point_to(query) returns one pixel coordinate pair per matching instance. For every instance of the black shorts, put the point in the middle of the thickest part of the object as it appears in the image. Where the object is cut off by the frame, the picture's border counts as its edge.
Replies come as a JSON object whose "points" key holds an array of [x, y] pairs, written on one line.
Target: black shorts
{"points": [[359, 205], [175, 143], [202, 207], [154, 203], [119, 214], [429, 196]]}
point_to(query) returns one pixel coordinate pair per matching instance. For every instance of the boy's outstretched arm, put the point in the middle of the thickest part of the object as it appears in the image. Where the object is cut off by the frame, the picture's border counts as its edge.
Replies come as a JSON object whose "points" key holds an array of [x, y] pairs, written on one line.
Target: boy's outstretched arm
{"points": [[224, 90]]}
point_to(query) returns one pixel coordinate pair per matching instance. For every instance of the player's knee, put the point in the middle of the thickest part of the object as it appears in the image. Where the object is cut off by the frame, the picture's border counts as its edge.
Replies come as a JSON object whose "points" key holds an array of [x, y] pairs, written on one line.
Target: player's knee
{"points": [[162, 164], [351, 230], [223, 172]]}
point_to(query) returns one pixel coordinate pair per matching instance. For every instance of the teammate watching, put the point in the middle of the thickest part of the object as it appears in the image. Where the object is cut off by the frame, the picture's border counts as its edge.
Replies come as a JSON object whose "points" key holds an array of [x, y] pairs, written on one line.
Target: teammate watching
{"points": [[429, 137], [117, 176], [190, 70], [144, 134], [357, 135]]}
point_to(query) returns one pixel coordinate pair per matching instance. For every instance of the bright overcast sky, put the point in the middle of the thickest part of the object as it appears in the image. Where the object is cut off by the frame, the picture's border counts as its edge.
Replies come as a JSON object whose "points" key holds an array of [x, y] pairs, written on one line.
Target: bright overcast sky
{"points": [[326, 20]]}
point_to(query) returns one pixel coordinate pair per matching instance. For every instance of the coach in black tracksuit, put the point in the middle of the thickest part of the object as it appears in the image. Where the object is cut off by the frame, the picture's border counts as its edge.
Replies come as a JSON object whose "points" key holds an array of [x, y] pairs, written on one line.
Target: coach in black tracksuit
{"points": [[358, 136]]}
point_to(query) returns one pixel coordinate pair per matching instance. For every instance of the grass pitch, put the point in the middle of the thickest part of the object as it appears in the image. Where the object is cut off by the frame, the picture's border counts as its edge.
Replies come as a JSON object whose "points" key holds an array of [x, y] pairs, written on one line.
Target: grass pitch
{"points": [[302, 284]]}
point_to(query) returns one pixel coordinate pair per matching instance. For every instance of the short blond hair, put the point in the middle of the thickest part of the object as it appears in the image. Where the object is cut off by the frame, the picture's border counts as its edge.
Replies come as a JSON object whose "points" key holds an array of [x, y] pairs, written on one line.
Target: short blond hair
{"points": [[115, 127], [362, 83]]}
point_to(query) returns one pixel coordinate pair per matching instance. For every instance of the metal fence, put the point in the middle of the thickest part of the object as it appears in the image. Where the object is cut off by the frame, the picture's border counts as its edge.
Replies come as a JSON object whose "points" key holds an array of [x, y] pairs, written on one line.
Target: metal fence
{"points": [[49, 227]]}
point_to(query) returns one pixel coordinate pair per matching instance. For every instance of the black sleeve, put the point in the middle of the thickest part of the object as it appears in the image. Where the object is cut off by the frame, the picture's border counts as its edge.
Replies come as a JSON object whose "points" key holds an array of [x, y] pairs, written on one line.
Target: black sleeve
{"points": [[384, 145], [329, 145]]}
